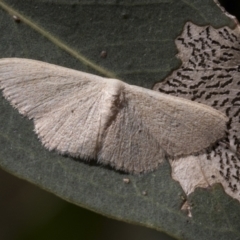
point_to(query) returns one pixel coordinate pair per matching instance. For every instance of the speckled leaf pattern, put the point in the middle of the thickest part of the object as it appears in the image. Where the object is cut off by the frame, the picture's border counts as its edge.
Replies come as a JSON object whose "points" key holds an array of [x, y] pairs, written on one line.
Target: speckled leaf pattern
{"points": [[210, 75]]}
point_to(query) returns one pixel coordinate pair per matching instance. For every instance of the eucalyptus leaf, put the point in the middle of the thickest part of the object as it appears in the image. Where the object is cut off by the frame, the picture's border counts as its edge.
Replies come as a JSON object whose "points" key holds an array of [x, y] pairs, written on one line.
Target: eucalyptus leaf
{"points": [[138, 37]]}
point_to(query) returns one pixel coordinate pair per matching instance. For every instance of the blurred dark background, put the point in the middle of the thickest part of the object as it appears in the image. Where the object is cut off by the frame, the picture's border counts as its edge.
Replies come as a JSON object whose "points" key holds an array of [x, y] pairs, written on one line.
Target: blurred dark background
{"points": [[27, 212], [231, 6]]}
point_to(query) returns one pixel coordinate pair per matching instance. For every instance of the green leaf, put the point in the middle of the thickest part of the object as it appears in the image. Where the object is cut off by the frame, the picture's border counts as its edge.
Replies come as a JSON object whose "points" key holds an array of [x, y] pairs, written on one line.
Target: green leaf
{"points": [[139, 39]]}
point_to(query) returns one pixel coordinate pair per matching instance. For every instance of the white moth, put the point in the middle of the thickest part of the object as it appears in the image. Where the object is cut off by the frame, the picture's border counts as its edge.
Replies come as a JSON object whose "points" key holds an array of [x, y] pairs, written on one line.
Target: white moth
{"points": [[91, 117]]}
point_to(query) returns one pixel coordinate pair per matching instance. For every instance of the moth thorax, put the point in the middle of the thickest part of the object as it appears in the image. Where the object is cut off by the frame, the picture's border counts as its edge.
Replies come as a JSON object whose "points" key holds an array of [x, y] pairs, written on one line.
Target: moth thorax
{"points": [[113, 102]]}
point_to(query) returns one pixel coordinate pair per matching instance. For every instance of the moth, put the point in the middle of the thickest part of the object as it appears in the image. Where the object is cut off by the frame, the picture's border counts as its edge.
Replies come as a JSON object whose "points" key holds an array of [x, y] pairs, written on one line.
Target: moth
{"points": [[90, 117]]}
